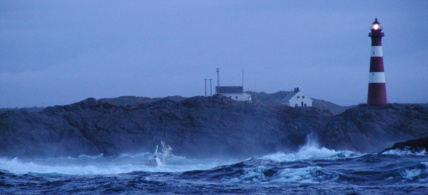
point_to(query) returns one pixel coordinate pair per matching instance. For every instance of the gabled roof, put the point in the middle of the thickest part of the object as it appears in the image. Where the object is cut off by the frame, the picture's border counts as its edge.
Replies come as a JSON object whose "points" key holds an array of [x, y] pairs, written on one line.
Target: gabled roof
{"points": [[230, 89], [289, 95]]}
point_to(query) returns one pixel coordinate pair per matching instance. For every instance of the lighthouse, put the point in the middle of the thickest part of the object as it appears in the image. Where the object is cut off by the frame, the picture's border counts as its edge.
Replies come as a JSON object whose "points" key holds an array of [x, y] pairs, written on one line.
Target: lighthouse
{"points": [[377, 88]]}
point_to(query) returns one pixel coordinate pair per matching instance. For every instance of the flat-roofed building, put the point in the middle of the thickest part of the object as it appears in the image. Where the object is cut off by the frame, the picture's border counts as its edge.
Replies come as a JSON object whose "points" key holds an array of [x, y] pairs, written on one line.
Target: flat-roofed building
{"points": [[234, 92]]}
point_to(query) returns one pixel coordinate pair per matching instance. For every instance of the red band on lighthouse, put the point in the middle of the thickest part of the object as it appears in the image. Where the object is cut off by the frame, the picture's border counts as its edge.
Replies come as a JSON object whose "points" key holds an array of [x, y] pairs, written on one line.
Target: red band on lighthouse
{"points": [[376, 64], [377, 89]]}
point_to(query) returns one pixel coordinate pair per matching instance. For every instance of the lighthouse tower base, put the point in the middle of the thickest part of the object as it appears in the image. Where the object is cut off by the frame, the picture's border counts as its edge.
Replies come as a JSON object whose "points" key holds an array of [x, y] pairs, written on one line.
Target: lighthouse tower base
{"points": [[377, 94]]}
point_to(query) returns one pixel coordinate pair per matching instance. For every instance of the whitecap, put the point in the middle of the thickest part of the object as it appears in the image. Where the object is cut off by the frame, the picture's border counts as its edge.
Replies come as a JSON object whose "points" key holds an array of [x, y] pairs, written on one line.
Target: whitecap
{"points": [[310, 152], [411, 173], [406, 151], [311, 174], [17, 166], [249, 175], [97, 165], [91, 157]]}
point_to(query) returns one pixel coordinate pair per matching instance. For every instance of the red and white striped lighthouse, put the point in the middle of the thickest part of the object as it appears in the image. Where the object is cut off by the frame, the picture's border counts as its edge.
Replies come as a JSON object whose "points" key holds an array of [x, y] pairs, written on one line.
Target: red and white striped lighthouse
{"points": [[377, 88]]}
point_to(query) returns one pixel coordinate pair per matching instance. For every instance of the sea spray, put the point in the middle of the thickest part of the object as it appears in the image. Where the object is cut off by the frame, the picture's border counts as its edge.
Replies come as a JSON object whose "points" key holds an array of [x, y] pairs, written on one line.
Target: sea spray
{"points": [[405, 151], [338, 172], [311, 150], [100, 165], [310, 170]]}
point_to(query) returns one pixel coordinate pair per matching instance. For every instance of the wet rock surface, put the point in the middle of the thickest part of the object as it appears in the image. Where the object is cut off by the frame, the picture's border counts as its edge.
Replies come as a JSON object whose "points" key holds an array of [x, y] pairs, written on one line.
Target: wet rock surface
{"points": [[202, 127], [373, 128], [414, 145]]}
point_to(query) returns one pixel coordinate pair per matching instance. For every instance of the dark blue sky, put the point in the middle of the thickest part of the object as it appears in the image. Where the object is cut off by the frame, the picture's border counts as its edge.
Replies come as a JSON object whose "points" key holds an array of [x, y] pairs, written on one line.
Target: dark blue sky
{"points": [[60, 52]]}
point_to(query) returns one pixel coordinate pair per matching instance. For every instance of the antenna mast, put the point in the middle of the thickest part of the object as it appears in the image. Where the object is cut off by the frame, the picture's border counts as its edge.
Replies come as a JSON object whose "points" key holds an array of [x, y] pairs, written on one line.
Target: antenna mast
{"points": [[218, 79], [211, 91], [206, 87], [243, 79]]}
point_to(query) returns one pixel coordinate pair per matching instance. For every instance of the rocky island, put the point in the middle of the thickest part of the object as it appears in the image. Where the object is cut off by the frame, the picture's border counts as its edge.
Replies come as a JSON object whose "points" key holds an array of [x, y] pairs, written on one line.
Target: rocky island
{"points": [[203, 127]]}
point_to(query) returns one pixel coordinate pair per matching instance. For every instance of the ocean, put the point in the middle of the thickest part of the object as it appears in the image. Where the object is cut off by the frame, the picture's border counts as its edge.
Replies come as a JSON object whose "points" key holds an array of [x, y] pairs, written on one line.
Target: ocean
{"points": [[311, 170]]}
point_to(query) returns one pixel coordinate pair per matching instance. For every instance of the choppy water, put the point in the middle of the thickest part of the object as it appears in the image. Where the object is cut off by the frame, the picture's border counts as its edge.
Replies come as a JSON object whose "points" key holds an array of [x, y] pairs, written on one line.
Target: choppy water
{"points": [[312, 170]]}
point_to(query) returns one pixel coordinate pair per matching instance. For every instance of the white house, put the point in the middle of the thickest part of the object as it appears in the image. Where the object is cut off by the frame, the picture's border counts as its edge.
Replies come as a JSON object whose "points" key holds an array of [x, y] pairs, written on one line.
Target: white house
{"points": [[297, 99], [234, 92]]}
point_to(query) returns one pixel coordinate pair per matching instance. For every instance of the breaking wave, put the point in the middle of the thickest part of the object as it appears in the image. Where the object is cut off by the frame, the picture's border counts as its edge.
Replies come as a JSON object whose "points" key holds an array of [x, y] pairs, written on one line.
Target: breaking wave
{"points": [[310, 153], [406, 151], [100, 165], [299, 172]]}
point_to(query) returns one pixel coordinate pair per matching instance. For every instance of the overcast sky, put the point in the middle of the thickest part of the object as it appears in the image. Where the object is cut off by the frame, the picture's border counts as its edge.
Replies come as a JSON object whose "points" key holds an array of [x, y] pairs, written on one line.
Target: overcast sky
{"points": [[61, 52]]}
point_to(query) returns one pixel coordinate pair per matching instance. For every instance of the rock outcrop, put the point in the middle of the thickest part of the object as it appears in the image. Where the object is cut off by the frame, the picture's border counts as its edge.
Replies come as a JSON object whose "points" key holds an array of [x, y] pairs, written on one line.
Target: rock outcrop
{"points": [[413, 146], [202, 127], [373, 128]]}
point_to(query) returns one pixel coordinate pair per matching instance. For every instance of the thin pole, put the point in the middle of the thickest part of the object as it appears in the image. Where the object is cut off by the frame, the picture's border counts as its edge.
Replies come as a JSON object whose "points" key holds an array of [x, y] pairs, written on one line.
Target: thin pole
{"points": [[243, 79], [211, 90], [218, 79], [205, 87]]}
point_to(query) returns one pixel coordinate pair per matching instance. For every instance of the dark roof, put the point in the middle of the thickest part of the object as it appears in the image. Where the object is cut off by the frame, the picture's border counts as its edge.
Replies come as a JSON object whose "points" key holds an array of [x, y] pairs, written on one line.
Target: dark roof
{"points": [[230, 89], [289, 95]]}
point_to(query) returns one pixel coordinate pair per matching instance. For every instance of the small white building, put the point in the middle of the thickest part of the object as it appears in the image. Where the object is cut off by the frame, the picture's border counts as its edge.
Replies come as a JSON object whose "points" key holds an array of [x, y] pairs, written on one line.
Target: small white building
{"points": [[297, 99], [234, 92]]}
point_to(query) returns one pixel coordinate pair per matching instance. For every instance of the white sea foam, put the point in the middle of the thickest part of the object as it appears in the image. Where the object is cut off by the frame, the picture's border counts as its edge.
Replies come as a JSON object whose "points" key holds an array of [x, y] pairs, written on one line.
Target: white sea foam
{"points": [[405, 152], [253, 175], [310, 151], [17, 166], [91, 157], [411, 173], [419, 174], [311, 174], [96, 165], [249, 175]]}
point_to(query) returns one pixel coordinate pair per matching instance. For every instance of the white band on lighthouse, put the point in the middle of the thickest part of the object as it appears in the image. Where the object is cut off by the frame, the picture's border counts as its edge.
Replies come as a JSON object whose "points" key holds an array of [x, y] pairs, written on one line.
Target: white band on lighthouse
{"points": [[376, 51], [377, 77]]}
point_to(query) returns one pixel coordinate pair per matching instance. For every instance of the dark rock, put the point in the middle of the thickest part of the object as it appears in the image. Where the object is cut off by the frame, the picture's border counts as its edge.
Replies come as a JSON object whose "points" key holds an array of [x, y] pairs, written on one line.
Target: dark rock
{"points": [[133, 101], [202, 127], [414, 145], [372, 128]]}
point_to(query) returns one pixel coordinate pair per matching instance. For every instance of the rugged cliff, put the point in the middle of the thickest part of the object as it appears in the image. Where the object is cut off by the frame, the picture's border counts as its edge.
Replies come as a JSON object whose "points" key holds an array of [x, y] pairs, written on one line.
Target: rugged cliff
{"points": [[413, 146], [202, 127], [373, 128]]}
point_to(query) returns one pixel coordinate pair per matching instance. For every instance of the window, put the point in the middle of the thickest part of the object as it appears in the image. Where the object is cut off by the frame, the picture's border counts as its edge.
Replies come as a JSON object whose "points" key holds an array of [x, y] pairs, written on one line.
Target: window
{"points": [[298, 97], [236, 97], [305, 105], [303, 97]]}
